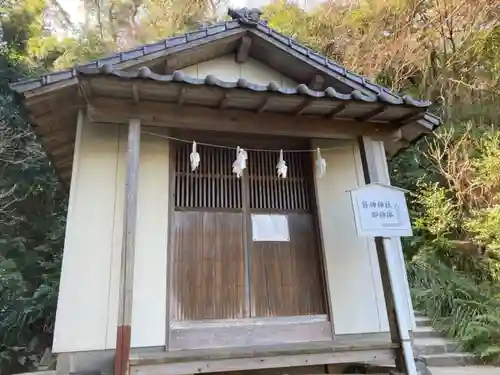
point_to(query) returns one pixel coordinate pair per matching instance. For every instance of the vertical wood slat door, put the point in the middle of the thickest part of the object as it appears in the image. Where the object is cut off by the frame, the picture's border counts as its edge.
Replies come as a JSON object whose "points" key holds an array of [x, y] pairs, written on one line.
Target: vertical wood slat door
{"points": [[209, 262], [207, 268], [286, 278]]}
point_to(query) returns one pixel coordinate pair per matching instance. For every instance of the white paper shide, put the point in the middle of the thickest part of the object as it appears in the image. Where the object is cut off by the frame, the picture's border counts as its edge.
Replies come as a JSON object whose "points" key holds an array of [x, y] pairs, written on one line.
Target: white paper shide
{"points": [[270, 228], [381, 211]]}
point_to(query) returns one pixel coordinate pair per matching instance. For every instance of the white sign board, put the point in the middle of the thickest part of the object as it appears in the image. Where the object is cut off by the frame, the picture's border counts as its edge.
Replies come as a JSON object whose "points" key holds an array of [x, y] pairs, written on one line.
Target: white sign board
{"points": [[381, 211], [270, 228]]}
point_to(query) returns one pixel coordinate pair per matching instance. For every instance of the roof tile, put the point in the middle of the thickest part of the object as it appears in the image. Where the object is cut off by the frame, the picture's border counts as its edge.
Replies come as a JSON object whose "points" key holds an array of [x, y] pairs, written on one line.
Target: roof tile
{"points": [[317, 57], [335, 67], [155, 47], [196, 35], [298, 47], [135, 53], [373, 86], [175, 41], [264, 28], [58, 76], [234, 24], [114, 59], [354, 77], [215, 29], [280, 37]]}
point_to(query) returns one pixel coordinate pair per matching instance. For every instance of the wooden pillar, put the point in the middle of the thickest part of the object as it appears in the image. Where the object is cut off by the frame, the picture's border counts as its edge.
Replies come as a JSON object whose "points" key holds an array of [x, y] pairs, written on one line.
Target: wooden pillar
{"points": [[405, 361], [124, 328]]}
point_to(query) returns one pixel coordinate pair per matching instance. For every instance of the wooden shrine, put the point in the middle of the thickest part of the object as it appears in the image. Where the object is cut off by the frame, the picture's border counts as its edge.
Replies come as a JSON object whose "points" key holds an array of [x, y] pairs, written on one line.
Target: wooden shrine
{"points": [[235, 263]]}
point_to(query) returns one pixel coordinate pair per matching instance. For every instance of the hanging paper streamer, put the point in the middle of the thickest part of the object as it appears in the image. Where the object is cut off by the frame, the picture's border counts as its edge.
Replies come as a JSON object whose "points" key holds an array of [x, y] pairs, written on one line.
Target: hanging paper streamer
{"points": [[320, 164], [281, 166], [194, 158], [241, 162]]}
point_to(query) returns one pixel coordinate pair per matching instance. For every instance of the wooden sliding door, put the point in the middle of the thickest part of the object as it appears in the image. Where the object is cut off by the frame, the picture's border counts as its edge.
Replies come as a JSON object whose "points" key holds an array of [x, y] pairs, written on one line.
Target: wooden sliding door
{"points": [[285, 275], [207, 264], [217, 269]]}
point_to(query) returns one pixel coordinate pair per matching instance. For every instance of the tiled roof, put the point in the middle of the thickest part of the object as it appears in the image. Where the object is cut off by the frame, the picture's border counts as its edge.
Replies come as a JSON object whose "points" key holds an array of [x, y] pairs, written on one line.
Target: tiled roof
{"points": [[337, 71], [211, 80]]}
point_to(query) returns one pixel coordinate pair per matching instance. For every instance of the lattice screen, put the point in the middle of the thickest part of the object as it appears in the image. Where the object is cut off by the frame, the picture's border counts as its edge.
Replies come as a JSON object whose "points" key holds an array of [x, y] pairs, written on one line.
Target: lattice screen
{"points": [[214, 185]]}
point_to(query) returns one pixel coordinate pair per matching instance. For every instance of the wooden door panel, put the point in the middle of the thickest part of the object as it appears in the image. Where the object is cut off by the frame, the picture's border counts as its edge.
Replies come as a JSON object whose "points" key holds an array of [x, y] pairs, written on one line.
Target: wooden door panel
{"points": [[207, 266], [209, 244], [285, 276]]}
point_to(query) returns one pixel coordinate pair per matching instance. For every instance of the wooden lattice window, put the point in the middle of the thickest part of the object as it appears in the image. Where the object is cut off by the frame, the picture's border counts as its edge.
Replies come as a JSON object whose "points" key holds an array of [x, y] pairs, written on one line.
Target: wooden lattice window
{"points": [[213, 185], [267, 191]]}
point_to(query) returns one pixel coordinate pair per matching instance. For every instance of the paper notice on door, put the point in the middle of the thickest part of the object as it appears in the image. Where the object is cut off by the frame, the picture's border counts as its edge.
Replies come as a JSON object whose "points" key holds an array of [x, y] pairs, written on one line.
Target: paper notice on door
{"points": [[270, 228]]}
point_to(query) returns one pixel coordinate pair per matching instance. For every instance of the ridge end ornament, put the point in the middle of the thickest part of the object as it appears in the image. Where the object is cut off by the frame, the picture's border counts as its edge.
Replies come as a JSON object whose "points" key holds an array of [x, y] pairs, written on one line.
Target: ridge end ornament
{"points": [[246, 16]]}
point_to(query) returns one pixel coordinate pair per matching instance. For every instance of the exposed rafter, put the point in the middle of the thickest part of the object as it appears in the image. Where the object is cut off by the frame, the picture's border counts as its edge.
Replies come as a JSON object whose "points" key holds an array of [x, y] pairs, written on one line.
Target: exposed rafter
{"points": [[243, 50], [372, 114], [336, 111]]}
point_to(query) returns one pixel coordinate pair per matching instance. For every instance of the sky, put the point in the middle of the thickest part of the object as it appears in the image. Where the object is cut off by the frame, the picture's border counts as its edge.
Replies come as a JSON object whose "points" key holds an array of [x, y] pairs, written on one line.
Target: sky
{"points": [[74, 8]]}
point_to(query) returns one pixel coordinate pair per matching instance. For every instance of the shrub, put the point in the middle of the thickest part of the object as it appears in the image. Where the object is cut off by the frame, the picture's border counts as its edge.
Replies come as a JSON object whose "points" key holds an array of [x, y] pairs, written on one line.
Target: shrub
{"points": [[467, 311]]}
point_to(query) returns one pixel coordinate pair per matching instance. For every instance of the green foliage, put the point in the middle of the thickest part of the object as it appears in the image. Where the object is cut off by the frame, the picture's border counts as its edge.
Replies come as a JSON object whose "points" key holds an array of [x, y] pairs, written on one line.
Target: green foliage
{"points": [[467, 311], [440, 213], [32, 212]]}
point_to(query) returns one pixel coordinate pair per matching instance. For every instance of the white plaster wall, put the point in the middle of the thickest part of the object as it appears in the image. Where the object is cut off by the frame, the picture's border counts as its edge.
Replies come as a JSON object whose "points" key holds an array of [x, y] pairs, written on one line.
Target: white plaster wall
{"points": [[88, 298], [226, 69], [354, 281]]}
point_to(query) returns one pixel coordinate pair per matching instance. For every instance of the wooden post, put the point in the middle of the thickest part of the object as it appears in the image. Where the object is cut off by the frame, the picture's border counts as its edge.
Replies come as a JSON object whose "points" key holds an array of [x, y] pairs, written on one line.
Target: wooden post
{"points": [[124, 328], [405, 361]]}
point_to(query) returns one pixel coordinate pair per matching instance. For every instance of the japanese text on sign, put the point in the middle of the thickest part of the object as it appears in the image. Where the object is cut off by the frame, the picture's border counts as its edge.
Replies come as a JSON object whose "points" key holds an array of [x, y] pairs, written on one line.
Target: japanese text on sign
{"points": [[380, 210], [385, 211]]}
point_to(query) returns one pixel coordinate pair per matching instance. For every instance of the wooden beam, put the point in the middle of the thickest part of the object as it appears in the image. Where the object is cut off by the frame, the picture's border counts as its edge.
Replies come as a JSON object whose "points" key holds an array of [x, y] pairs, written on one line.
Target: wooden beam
{"points": [[123, 332], [135, 93], [372, 356], [235, 121], [222, 102], [262, 106], [181, 96], [334, 112], [243, 49], [301, 108], [372, 114]]}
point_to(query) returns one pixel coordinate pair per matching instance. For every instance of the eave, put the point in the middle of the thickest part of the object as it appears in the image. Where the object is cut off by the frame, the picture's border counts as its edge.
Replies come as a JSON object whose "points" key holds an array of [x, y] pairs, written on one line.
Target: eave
{"points": [[346, 98]]}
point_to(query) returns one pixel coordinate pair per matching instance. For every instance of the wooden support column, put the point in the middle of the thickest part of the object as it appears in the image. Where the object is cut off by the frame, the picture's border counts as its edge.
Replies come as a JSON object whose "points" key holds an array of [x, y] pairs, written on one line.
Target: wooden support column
{"points": [[123, 332], [394, 300]]}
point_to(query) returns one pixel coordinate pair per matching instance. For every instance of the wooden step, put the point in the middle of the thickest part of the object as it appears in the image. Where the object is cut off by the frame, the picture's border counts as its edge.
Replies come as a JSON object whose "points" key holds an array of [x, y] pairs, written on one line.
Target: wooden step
{"points": [[448, 359], [434, 345], [422, 321], [426, 332]]}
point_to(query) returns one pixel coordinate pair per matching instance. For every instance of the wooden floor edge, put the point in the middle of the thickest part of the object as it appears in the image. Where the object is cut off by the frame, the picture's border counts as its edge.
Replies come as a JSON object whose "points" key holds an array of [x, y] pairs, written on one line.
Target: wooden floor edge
{"points": [[372, 356], [223, 353]]}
